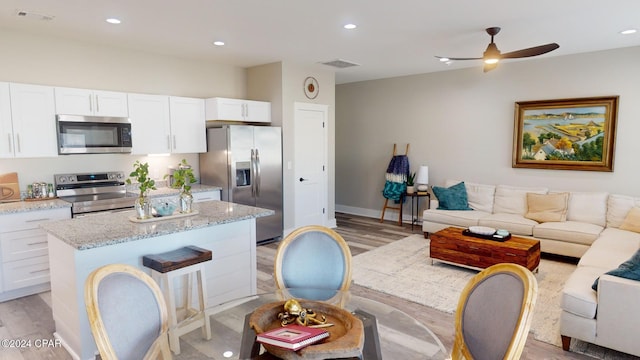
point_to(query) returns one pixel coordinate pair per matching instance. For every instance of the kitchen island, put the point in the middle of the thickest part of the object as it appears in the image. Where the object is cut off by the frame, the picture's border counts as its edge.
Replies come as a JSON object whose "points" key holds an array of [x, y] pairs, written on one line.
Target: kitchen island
{"points": [[79, 246]]}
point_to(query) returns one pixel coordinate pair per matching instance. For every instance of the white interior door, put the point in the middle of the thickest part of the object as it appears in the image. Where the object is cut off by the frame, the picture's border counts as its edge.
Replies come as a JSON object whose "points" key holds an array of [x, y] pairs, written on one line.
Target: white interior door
{"points": [[310, 164]]}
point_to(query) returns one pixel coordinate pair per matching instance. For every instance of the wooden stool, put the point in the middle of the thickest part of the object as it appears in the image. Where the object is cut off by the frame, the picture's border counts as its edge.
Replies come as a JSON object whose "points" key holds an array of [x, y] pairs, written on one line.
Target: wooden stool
{"points": [[165, 268]]}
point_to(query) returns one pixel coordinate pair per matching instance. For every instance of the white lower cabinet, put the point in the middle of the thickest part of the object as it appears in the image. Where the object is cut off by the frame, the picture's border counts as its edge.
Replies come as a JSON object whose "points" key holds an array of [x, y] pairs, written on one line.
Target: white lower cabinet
{"points": [[24, 260], [206, 196]]}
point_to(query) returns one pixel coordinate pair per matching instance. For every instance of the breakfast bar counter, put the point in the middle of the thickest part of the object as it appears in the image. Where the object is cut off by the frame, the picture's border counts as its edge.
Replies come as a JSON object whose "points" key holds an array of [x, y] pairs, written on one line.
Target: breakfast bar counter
{"points": [[79, 246]]}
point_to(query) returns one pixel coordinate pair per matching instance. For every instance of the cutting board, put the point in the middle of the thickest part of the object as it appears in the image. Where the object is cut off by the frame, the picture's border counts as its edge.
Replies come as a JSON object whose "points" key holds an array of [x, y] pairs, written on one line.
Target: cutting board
{"points": [[9, 187]]}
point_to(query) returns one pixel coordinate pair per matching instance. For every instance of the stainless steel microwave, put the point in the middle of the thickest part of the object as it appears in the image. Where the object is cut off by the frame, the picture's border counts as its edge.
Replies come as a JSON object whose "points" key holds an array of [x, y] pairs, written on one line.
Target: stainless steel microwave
{"points": [[93, 134]]}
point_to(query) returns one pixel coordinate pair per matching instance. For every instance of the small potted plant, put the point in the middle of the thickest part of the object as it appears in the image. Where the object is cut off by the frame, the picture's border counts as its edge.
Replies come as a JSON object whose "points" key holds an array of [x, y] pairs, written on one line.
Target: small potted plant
{"points": [[410, 179], [145, 183], [182, 179]]}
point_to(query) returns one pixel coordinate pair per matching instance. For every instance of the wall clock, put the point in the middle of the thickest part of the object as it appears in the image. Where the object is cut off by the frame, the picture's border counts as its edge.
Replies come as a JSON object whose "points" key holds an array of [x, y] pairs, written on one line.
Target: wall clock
{"points": [[311, 87]]}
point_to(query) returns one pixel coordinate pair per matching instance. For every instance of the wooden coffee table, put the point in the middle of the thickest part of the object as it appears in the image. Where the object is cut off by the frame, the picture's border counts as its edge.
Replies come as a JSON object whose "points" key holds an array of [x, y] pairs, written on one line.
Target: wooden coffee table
{"points": [[451, 246]]}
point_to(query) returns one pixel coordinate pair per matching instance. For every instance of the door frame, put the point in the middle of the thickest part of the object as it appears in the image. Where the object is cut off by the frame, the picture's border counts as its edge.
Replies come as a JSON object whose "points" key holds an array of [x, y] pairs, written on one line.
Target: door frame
{"points": [[325, 156]]}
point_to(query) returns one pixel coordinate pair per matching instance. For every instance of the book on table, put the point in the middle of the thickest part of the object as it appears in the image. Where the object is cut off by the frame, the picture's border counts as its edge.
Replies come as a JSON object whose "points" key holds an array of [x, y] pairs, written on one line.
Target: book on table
{"points": [[292, 337]]}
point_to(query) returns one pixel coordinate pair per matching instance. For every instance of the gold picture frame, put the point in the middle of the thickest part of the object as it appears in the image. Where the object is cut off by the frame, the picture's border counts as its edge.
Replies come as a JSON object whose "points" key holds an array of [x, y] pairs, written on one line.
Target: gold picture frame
{"points": [[565, 134]]}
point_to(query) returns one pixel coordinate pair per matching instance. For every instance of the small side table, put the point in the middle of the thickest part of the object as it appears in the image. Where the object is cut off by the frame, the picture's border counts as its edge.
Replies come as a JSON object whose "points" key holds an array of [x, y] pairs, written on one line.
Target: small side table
{"points": [[415, 199]]}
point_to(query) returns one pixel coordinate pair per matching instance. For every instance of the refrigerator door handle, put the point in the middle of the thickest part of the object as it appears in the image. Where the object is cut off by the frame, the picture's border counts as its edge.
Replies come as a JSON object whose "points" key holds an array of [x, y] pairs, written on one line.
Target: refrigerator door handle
{"points": [[253, 173], [258, 177]]}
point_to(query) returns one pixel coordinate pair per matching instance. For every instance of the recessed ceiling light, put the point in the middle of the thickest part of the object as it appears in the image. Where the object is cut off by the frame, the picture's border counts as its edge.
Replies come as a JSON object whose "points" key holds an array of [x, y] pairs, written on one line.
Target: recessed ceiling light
{"points": [[628, 31], [113, 21], [350, 26], [218, 43]]}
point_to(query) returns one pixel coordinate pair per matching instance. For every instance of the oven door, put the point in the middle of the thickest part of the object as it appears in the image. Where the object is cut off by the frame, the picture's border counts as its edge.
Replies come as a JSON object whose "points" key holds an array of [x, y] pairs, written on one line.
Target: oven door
{"points": [[93, 135]]}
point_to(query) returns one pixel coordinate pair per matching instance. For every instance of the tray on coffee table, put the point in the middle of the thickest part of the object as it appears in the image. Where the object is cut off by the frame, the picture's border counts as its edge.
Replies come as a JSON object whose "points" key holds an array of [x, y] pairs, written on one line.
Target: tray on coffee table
{"points": [[494, 237]]}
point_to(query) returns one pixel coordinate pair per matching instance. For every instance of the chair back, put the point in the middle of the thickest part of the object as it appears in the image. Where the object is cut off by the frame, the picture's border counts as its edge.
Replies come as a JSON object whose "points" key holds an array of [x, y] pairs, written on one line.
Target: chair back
{"points": [[313, 257], [127, 313], [494, 313]]}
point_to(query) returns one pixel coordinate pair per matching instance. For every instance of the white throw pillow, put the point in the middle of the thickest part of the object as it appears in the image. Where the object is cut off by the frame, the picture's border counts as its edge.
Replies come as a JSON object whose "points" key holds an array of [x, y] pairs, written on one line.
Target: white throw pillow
{"points": [[588, 207], [618, 207], [513, 200], [479, 196]]}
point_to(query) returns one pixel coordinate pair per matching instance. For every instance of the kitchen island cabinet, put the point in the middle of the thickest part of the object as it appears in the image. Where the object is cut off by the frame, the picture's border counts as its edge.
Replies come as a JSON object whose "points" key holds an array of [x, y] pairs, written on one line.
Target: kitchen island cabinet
{"points": [[79, 246]]}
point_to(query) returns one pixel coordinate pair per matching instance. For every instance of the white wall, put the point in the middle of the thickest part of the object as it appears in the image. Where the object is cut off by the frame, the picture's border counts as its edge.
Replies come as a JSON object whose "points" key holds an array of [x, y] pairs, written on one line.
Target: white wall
{"points": [[460, 124], [59, 62]]}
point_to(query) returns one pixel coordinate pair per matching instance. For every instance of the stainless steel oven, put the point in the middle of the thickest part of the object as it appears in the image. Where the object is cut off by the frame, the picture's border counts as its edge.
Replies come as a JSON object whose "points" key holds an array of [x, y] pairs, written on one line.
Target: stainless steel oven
{"points": [[92, 193], [93, 134]]}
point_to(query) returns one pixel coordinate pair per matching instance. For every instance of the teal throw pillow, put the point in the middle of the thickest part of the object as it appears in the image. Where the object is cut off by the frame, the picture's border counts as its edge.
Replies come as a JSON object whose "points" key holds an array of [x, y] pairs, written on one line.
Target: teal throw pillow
{"points": [[452, 198], [629, 269]]}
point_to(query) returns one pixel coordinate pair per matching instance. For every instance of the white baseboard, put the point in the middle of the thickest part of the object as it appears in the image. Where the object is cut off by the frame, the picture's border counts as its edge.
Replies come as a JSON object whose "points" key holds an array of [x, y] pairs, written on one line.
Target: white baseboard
{"points": [[391, 215]]}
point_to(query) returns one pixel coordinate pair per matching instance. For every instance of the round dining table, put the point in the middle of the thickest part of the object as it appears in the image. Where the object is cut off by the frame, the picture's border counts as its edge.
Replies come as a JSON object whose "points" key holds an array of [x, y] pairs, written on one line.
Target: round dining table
{"points": [[388, 332]]}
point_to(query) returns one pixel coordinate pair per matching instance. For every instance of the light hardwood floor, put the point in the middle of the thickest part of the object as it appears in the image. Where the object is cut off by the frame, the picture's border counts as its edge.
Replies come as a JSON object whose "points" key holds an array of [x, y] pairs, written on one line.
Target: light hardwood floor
{"points": [[30, 317]]}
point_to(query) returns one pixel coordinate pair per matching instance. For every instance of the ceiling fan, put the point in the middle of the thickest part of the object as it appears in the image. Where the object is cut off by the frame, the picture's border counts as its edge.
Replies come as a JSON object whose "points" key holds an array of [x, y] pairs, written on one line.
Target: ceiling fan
{"points": [[492, 55]]}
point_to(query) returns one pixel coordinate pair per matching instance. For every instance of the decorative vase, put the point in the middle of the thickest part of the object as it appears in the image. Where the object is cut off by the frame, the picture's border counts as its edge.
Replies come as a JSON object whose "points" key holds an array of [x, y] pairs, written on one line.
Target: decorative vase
{"points": [[410, 189], [186, 199], [143, 207]]}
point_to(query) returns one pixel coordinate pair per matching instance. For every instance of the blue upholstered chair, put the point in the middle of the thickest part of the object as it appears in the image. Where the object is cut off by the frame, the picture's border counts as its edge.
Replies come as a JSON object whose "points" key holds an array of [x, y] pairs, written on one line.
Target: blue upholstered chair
{"points": [[494, 313], [127, 314], [312, 262]]}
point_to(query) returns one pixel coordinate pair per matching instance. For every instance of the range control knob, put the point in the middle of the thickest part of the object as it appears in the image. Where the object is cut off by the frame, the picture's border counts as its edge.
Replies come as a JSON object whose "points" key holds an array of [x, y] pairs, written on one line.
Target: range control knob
{"points": [[62, 179]]}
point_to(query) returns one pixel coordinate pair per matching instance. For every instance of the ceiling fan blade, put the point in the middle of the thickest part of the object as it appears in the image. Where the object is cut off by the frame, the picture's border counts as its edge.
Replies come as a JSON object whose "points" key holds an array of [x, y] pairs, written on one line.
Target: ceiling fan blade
{"points": [[452, 58], [533, 51]]}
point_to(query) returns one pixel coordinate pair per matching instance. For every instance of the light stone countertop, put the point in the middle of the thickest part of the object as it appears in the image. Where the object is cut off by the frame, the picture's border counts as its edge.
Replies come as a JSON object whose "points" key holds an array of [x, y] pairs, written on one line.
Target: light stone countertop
{"points": [[167, 191], [114, 228], [24, 206]]}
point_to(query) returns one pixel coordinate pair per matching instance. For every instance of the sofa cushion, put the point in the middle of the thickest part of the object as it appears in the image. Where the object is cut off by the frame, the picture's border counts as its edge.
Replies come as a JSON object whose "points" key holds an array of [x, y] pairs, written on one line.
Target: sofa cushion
{"points": [[569, 231], [480, 196], [612, 247], [632, 220], [547, 207], [590, 207], [577, 296], [515, 224], [513, 200], [618, 207], [452, 198], [629, 269], [460, 218]]}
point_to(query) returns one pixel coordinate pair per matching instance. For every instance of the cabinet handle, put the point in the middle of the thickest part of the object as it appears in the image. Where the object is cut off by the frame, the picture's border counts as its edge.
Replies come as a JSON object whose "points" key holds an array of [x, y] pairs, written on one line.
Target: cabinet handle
{"points": [[174, 142], [36, 243], [18, 142], [90, 103], [97, 104], [510, 254], [169, 142], [10, 139], [37, 220], [205, 199]]}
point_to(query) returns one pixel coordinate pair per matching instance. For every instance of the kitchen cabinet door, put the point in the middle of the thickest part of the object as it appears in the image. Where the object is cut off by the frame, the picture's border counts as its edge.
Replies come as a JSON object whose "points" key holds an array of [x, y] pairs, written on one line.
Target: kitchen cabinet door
{"points": [[187, 125], [71, 101], [150, 124], [34, 121], [6, 127], [238, 110]]}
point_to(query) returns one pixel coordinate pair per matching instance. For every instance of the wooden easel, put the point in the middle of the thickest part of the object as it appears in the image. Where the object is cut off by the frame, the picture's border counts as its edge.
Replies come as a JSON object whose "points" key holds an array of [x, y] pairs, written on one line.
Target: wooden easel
{"points": [[386, 201]]}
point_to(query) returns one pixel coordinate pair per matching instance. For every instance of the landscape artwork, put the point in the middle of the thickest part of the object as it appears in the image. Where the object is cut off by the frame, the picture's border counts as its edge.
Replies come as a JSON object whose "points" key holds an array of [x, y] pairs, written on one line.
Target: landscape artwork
{"points": [[568, 134]]}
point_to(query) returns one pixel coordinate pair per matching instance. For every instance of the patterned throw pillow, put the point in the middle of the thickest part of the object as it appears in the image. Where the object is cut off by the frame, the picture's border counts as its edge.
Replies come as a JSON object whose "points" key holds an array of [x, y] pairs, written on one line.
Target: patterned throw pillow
{"points": [[452, 198]]}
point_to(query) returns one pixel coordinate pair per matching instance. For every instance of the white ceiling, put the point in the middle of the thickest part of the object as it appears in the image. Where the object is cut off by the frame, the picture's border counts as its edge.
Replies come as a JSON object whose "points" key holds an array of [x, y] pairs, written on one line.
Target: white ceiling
{"points": [[393, 38]]}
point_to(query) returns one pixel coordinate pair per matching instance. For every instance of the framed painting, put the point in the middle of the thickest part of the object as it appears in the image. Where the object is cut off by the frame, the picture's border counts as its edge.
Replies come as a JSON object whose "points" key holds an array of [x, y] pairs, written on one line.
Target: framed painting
{"points": [[567, 134]]}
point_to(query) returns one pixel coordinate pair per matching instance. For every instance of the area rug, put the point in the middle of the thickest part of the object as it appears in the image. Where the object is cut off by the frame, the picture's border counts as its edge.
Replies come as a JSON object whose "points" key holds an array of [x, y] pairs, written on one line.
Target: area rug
{"points": [[403, 269]]}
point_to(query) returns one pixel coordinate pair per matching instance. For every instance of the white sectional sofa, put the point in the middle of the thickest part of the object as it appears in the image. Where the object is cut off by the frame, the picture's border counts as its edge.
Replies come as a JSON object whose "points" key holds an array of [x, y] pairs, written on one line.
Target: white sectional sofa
{"points": [[609, 317]]}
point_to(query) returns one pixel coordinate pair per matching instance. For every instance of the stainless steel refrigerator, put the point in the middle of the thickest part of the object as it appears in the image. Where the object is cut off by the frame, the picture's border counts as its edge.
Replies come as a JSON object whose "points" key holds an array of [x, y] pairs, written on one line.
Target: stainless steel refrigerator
{"points": [[246, 161]]}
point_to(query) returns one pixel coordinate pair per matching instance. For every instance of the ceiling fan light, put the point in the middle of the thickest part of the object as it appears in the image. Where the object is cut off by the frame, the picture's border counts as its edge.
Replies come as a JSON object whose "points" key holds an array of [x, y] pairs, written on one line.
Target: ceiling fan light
{"points": [[491, 61]]}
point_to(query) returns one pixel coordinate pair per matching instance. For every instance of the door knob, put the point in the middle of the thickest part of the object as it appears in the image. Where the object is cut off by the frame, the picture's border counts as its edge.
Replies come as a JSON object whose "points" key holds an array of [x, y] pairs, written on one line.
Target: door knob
{"points": [[303, 179]]}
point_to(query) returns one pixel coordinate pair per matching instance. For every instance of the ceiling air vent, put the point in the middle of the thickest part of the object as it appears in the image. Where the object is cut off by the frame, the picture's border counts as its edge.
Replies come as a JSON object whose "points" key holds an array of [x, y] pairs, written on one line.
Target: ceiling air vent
{"points": [[340, 64], [29, 14]]}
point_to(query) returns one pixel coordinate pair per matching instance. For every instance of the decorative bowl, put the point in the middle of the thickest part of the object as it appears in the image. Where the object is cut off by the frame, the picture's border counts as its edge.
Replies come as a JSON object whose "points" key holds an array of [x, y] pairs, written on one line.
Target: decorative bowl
{"points": [[346, 337], [164, 208], [482, 230]]}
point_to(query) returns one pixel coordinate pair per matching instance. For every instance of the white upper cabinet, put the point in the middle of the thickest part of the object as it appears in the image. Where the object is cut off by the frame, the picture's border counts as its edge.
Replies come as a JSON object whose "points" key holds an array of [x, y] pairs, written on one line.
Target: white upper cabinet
{"points": [[238, 110], [150, 124], [188, 133], [164, 124], [6, 127], [71, 101], [33, 121]]}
